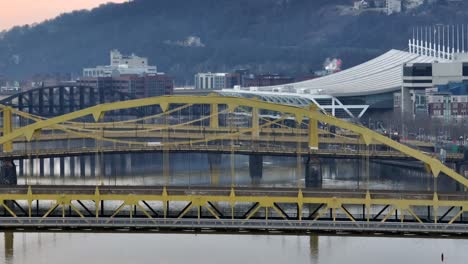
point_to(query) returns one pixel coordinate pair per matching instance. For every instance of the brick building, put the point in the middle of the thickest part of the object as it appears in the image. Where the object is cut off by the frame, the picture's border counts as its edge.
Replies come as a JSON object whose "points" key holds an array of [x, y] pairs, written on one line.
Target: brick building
{"points": [[448, 106], [139, 86]]}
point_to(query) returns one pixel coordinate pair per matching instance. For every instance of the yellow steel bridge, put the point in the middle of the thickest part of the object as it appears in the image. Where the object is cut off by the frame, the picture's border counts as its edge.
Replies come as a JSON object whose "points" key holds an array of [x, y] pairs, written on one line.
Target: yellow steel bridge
{"points": [[227, 125]]}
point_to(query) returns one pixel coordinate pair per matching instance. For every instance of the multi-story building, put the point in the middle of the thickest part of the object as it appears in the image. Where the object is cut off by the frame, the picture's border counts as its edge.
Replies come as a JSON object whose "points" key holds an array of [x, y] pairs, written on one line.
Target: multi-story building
{"points": [[448, 106], [121, 65], [267, 80], [139, 86], [423, 79], [129, 74], [212, 81]]}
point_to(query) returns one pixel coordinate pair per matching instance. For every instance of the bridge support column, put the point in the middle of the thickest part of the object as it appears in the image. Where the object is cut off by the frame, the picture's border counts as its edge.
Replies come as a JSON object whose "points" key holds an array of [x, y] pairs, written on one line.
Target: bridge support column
{"points": [[214, 161], [21, 167], [256, 168], [104, 166], [128, 164], [92, 165], [51, 167], [111, 165], [62, 167], [31, 167], [123, 164], [72, 166], [83, 166], [166, 167], [313, 174], [8, 173], [41, 167]]}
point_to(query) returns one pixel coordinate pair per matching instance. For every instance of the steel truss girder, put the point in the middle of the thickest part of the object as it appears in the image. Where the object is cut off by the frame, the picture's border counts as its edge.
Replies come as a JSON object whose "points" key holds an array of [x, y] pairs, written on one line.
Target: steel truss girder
{"points": [[229, 205], [367, 136]]}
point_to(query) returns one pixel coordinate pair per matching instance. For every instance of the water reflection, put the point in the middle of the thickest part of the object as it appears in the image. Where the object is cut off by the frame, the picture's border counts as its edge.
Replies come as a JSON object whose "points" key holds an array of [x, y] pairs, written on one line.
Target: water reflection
{"points": [[80, 248], [9, 246], [226, 170]]}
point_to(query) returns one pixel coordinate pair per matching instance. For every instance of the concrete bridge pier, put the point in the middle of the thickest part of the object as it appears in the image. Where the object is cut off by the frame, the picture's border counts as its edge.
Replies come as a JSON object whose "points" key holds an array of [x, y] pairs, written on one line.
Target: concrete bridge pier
{"points": [[256, 168], [31, 167], [123, 164], [21, 167], [110, 166], [72, 166], [128, 164], [313, 173], [51, 167], [41, 167], [82, 160], [214, 162], [104, 163], [62, 167], [92, 165], [8, 174]]}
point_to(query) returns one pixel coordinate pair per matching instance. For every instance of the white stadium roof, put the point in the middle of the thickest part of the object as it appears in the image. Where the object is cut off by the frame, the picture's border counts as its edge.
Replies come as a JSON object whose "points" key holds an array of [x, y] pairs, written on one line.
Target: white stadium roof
{"points": [[379, 75]]}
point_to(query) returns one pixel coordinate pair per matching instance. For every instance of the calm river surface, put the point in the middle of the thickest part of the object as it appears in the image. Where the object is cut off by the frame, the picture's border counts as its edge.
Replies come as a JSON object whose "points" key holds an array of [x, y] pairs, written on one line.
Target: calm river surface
{"points": [[52, 248], [195, 169]]}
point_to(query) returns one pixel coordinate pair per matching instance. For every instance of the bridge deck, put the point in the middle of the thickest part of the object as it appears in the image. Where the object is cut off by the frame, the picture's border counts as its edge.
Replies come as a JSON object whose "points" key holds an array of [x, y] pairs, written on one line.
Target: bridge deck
{"points": [[224, 149], [226, 191], [225, 208], [119, 225]]}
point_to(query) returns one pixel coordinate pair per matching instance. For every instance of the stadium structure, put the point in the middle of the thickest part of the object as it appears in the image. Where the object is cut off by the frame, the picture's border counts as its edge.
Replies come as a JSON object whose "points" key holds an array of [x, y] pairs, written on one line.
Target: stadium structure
{"points": [[369, 86]]}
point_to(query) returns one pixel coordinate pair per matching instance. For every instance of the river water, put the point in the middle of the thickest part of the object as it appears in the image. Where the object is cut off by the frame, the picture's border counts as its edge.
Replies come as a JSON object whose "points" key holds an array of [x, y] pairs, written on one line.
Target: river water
{"points": [[230, 170], [59, 248], [194, 169]]}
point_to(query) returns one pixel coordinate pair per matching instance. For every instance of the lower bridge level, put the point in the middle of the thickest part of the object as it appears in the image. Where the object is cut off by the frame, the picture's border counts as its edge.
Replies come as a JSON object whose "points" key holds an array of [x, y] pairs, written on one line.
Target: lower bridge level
{"points": [[225, 209]]}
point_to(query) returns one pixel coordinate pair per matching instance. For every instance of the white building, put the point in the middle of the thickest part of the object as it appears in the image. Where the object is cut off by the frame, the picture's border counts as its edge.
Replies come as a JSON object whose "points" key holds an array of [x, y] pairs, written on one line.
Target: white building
{"points": [[121, 65], [361, 4], [210, 80], [393, 6]]}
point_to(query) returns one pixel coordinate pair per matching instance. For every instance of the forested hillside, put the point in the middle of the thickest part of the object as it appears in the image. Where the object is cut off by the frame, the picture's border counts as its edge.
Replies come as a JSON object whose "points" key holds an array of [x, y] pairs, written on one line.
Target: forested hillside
{"points": [[183, 37]]}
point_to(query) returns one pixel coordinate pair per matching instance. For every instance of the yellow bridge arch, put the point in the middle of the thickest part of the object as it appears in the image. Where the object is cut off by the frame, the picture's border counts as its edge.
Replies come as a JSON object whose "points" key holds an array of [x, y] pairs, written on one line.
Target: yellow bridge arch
{"points": [[368, 136]]}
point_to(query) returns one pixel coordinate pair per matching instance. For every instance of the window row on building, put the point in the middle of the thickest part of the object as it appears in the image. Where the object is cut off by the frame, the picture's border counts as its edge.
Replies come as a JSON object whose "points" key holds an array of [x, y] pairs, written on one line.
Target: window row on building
{"points": [[218, 81]]}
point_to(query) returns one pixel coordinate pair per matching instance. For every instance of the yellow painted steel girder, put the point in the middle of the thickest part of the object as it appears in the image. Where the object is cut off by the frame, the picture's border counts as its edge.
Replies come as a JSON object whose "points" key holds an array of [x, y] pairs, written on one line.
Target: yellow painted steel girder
{"points": [[124, 128], [333, 202], [367, 135]]}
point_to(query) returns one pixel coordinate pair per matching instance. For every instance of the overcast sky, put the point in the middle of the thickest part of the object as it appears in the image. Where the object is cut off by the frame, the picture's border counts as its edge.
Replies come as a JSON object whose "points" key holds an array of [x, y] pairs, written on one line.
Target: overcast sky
{"points": [[21, 12]]}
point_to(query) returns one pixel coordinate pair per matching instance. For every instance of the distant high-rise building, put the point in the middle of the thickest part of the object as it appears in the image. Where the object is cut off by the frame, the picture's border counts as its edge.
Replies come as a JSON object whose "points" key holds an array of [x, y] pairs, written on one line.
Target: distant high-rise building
{"points": [[121, 65], [212, 81], [129, 74], [138, 86]]}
